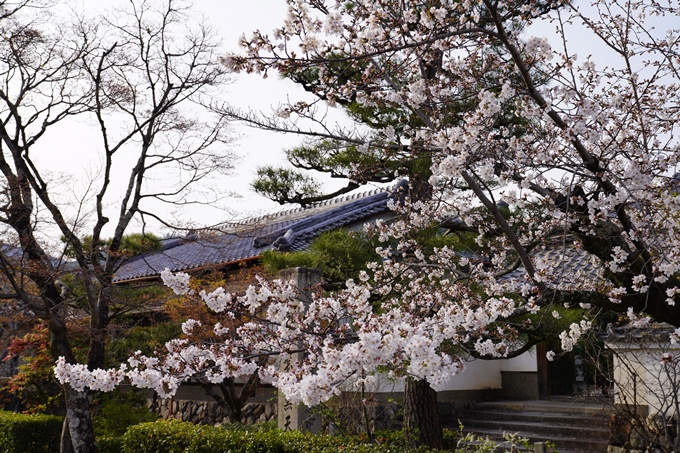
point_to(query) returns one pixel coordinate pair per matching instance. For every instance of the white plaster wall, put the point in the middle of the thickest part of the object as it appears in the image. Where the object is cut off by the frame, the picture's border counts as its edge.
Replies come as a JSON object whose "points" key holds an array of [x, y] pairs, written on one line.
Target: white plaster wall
{"points": [[381, 384], [525, 362], [478, 374], [641, 379]]}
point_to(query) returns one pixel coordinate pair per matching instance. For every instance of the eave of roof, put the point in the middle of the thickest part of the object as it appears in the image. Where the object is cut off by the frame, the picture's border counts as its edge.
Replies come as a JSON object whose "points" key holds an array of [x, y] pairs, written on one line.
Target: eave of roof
{"points": [[247, 240]]}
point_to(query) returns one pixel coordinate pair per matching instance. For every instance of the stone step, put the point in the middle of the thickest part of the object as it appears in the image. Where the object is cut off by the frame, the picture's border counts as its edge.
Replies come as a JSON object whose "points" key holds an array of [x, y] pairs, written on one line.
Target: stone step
{"points": [[538, 428], [573, 426], [544, 406], [501, 447], [562, 443], [552, 418]]}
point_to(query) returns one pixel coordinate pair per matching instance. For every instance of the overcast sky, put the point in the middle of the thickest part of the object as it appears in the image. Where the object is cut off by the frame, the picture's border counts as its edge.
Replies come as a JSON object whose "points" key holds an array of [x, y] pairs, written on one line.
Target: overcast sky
{"points": [[68, 152]]}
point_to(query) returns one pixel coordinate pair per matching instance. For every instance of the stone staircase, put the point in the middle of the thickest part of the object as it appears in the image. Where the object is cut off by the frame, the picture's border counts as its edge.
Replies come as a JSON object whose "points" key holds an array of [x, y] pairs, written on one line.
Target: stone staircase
{"points": [[572, 426]]}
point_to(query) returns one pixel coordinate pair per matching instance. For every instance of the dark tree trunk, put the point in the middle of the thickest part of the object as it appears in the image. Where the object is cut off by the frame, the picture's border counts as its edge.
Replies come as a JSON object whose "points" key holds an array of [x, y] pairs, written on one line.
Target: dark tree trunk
{"points": [[79, 421], [78, 432], [65, 446], [421, 416]]}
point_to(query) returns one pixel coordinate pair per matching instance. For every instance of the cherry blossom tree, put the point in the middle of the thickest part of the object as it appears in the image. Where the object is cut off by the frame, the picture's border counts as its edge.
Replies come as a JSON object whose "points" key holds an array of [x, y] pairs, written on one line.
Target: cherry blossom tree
{"points": [[594, 148], [584, 149]]}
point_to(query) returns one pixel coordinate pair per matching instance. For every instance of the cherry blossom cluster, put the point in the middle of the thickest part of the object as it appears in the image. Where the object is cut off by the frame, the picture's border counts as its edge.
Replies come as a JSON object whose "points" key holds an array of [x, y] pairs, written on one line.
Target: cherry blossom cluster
{"points": [[79, 377], [312, 348], [666, 358], [586, 146]]}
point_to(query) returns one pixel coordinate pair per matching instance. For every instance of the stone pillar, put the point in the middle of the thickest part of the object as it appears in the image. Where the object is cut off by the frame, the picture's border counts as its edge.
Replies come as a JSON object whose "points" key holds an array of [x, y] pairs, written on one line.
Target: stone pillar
{"points": [[300, 417], [540, 447]]}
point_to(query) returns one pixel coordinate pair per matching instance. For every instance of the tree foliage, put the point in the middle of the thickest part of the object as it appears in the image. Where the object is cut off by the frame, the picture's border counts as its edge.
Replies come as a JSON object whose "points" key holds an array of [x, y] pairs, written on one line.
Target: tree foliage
{"points": [[338, 254], [613, 185], [34, 384], [199, 323], [131, 245]]}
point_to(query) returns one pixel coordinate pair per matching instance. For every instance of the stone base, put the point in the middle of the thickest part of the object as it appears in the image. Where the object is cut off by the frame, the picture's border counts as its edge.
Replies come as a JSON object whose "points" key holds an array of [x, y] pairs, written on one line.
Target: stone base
{"points": [[209, 413], [519, 385], [385, 414]]}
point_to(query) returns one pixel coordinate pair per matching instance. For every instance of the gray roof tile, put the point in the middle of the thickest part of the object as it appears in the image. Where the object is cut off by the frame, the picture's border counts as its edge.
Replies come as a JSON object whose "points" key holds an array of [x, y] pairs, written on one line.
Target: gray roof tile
{"points": [[564, 263], [248, 239]]}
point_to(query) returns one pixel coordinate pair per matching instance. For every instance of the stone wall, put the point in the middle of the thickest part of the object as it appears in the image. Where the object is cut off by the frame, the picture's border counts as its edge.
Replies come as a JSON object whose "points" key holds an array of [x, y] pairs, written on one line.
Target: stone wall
{"points": [[388, 416], [654, 433], [210, 413]]}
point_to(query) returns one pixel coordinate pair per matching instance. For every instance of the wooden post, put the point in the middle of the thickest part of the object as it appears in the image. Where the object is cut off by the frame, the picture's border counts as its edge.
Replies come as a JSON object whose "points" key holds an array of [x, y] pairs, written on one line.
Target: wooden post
{"points": [[542, 366]]}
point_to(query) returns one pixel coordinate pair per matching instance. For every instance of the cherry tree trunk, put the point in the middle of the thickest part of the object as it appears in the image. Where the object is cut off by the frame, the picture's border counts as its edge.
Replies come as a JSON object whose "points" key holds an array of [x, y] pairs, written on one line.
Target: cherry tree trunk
{"points": [[79, 423], [421, 416], [65, 445], [78, 432]]}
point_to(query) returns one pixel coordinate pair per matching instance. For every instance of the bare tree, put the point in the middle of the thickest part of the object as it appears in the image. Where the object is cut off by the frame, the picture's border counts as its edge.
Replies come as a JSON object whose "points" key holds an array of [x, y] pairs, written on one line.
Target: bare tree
{"points": [[136, 74], [8, 7]]}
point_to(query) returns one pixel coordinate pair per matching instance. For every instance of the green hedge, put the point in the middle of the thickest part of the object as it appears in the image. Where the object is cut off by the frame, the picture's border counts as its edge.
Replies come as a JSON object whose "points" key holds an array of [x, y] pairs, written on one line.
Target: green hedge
{"points": [[21, 433], [109, 444], [41, 433], [172, 436]]}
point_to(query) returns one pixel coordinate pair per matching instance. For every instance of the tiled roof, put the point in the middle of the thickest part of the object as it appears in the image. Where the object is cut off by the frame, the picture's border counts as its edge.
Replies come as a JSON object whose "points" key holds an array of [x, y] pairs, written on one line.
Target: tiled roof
{"points": [[560, 261], [16, 253], [630, 335], [291, 230]]}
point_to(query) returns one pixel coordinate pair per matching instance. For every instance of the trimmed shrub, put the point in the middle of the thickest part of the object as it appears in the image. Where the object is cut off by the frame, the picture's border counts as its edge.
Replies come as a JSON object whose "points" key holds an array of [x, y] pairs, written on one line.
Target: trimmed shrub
{"points": [[169, 436], [173, 436], [114, 412], [21, 433], [109, 444]]}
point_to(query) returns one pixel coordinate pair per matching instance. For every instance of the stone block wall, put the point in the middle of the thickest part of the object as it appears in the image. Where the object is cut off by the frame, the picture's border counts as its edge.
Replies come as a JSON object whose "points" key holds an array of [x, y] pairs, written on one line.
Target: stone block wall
{"points": [[639, 434], [518, 385], [383, 416], [209, 413]]}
